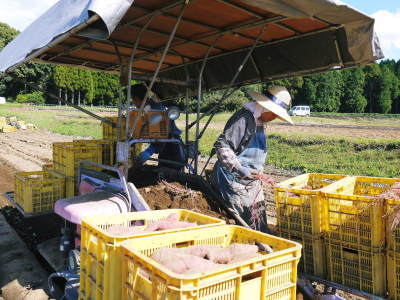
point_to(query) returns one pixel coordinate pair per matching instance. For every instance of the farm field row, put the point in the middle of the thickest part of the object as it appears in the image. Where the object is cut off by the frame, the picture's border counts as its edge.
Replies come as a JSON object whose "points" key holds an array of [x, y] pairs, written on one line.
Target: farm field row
{"points": [[372, 150]]}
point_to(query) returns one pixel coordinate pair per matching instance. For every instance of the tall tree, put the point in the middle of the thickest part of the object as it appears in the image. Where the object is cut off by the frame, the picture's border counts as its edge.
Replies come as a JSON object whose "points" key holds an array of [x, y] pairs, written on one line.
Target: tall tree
{"points": [[328, 91], [7, 34], [372, 86], [353, 99], [384, 97], [307, 94]]}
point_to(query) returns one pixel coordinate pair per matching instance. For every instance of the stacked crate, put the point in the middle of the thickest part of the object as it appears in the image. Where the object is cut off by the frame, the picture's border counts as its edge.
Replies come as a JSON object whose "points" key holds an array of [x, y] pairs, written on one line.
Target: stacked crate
{"points": [[392, 218], [66, 160], [301, 217], [108, 149], [270, 276], [356, 233], [115, 266], [36, 192], [101, 250], [110, 134]]}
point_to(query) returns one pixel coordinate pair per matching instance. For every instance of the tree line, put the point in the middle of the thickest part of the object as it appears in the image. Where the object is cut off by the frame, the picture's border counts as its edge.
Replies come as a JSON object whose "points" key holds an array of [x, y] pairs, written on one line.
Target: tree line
{"points": [[370, 89]]}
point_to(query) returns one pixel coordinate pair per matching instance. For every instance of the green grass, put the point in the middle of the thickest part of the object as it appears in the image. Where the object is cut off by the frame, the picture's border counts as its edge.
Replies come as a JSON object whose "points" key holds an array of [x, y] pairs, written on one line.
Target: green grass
{"points": [[335, 155], [58, 123], [318, 154]]}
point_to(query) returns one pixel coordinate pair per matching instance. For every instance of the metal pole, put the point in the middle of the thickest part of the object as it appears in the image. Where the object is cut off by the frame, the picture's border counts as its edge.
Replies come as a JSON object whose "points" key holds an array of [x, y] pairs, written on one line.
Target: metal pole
{"points": [[129, 83], [159, 64], [187, 114], [128, 96], [238, 70], [214, 108], [199, 98], [226, 93], [120, 91]]}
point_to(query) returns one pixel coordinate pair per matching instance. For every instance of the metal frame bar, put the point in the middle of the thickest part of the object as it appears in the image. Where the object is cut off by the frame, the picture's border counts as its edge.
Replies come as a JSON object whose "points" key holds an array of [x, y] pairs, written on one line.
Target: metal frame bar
{"points": [[225, 31], [108, 68], [128, 95], [240, 68], [65, 53], [178, 37], [199, 99], [332, 28], [225, 95], [157, 70], [157, 12], [198, 23], [257, 15], [151, 14]]}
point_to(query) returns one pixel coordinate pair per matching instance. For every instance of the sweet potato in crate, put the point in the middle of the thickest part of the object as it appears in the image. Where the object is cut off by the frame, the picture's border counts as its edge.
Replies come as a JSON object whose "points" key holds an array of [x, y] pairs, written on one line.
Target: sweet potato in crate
{"points": [[356, 211], [269, 276], [299, 205], [36, 192], [100, 276]]}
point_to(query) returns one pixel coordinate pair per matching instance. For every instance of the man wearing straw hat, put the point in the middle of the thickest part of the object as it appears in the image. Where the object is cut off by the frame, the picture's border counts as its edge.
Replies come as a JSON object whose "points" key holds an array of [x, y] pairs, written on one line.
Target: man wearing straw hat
{"points": [[242, 149]]}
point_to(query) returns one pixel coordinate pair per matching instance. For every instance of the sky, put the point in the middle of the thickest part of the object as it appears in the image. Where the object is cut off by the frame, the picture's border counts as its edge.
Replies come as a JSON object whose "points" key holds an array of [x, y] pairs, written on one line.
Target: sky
{"points": [[20, 13]]}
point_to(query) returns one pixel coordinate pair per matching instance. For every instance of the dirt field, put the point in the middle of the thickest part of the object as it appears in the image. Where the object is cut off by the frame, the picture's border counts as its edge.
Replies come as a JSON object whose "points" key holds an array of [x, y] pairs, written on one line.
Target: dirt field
{"points": [[28, 150]]}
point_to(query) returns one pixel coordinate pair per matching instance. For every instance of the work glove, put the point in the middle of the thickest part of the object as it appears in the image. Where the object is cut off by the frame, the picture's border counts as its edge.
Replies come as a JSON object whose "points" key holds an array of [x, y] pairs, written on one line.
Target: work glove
{"points": [[244, 172], [145, 155]]}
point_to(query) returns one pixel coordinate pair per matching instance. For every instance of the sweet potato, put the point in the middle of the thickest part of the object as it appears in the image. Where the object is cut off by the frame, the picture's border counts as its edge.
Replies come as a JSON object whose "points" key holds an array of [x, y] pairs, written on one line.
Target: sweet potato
{"points": [[178, 261]]}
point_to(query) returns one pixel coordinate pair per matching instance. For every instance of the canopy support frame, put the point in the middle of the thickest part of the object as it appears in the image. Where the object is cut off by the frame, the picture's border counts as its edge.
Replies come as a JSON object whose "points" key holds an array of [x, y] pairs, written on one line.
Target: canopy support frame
{"points": [[199, 99], [240, 68]]}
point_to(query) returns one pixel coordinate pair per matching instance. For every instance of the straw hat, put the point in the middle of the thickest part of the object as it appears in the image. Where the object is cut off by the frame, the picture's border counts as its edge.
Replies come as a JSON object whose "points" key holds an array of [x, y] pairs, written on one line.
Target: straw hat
{"points": [[276, 99]]}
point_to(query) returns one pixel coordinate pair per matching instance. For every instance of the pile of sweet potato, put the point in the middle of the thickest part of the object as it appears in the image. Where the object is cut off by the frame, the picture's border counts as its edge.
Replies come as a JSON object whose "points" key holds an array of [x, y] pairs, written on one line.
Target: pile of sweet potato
{"points": [[203, 258]]}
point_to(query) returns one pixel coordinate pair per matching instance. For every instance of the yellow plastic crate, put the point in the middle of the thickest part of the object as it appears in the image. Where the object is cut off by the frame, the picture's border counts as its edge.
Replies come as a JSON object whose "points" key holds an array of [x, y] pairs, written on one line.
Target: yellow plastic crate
{"points": [[299, 205], [313, 256], [71, 187], [37, 192], [11, 119], [355, 213], [9, 128], [110, 133], [392, 208], [271, 276], [157, 131], [108, 157], [362, 268], [100, 251], [393, 274], [48, 167], [68, 155]]}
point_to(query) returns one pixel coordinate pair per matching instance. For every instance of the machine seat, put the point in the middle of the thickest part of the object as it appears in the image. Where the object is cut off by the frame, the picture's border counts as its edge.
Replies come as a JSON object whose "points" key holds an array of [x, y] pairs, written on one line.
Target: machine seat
{"points": [[99, 203]]}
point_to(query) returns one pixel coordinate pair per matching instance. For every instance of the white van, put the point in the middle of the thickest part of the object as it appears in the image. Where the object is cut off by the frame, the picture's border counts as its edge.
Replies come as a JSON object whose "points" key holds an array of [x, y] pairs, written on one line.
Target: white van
{"points": [[299, 110]]}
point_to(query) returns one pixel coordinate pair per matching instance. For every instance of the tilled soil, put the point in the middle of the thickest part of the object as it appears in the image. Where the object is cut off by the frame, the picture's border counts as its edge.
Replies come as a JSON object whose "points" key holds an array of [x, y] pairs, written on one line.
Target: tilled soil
{"points": [[28, 150], [161, 193]]}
